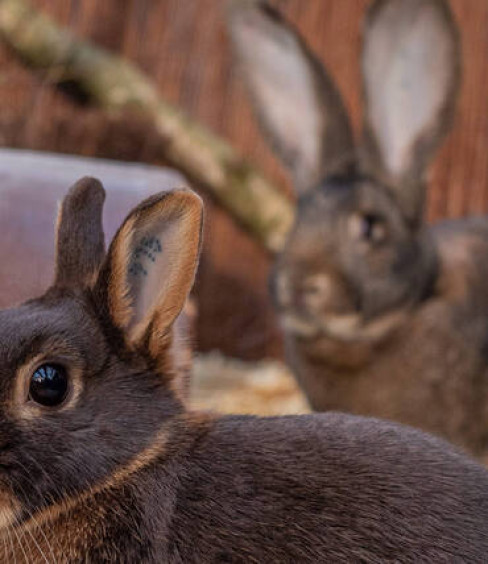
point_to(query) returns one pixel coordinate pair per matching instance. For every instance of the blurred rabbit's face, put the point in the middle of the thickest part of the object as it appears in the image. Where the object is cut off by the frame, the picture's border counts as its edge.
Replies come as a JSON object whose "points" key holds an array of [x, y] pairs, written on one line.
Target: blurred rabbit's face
{"points": [[353, 263], [72, 409], [351, 260]]}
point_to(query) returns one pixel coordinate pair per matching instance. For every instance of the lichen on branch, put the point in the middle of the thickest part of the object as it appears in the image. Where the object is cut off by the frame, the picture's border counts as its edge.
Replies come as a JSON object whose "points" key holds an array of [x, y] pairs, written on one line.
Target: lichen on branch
{"points": [[116, 85]]}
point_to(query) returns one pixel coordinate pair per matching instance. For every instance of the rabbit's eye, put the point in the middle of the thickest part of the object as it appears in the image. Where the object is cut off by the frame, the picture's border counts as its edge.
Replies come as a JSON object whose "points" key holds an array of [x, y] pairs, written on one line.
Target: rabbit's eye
{"points": [[49, 385], [368, 227]]}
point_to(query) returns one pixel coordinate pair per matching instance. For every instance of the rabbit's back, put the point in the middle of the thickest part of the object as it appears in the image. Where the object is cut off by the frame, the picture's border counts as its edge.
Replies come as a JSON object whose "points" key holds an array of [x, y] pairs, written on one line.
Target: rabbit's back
{"points": [[462, 248], [328, 488], [425, 375]]}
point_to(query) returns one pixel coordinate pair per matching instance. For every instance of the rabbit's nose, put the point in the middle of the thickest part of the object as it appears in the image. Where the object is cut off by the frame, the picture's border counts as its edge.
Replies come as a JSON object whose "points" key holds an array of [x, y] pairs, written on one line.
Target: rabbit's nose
{"points": [[315, 291]]}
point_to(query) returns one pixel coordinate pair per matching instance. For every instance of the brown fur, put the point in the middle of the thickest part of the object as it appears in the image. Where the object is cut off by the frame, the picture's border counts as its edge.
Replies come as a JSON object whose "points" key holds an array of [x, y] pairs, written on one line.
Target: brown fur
{"points": [[383, 316], [122, 472]]}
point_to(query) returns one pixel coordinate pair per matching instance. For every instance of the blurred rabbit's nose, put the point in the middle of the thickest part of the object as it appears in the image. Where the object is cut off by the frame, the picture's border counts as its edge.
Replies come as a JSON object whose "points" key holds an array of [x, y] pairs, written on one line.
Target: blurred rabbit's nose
{"points": [[314, 291], [304, 292]]}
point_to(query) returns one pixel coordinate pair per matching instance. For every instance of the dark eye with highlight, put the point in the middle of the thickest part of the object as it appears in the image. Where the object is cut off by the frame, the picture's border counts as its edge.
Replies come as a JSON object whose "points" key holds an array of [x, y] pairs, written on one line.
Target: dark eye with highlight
{"points": [[369, 227], [49, 385]]}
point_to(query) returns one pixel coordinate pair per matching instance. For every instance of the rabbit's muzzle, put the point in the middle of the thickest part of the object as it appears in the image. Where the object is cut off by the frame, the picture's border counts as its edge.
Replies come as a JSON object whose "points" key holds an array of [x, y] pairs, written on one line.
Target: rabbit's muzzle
{"points": [[318, 306], [304, 303], [308, 294]]}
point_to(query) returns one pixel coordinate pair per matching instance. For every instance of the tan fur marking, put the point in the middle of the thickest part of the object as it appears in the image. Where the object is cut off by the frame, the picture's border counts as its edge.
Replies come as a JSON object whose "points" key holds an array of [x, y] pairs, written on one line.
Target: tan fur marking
{"points": [[181, 354], [122, 474], [119, 298], [9, 509]]}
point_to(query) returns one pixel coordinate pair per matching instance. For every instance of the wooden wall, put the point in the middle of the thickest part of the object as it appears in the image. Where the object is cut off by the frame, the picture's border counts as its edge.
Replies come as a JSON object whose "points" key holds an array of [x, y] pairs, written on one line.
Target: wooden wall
{"points": [[182, 45]]}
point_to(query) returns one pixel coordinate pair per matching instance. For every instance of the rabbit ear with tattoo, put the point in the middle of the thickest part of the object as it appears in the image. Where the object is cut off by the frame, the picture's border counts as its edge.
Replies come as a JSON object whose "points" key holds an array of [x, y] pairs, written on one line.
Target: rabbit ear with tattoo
{"points": [[383, 315]]}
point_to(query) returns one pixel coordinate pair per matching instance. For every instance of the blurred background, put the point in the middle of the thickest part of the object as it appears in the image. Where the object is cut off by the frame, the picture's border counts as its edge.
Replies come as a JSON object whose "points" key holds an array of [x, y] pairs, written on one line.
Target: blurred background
{"points": [[182, 46]]}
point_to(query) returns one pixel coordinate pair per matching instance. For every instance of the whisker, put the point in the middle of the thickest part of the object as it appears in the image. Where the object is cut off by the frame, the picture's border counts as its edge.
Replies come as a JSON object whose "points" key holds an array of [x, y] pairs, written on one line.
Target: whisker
{"points": [[11, 544], [31, 516], [41, 552], [20, 544], [4, 547], [26, 530]]}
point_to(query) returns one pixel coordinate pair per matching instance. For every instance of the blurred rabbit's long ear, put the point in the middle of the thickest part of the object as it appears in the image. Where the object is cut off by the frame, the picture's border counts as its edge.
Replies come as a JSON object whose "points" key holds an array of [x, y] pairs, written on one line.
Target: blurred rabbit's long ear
{"points": [[411, 73], [80, 245], [299, 106]]}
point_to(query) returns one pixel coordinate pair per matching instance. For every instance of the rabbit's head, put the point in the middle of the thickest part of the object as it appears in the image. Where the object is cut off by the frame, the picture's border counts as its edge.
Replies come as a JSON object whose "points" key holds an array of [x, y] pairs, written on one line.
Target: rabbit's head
{"points": [[358, 256], [87, 378]]}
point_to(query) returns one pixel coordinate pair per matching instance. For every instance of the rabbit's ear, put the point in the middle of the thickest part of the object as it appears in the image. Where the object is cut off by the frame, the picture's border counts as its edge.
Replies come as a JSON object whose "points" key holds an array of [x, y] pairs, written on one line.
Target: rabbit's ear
{"points": [[150, 267], [299, 107], [411, 73], [80, 243]]}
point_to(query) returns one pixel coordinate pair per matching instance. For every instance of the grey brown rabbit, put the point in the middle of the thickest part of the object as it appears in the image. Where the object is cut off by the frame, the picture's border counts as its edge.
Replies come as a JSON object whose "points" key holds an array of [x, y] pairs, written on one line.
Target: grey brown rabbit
{"points": [[382, 314], [101, 462]]}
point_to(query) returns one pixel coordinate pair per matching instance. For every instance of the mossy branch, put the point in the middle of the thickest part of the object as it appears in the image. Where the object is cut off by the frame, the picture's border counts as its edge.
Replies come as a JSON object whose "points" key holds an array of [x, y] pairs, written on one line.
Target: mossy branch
{"points": [[116, 86]]}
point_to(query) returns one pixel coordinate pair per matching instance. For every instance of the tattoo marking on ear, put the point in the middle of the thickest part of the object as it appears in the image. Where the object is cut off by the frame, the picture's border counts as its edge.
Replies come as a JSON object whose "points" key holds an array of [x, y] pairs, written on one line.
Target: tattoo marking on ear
{"points": [[148, 247]]}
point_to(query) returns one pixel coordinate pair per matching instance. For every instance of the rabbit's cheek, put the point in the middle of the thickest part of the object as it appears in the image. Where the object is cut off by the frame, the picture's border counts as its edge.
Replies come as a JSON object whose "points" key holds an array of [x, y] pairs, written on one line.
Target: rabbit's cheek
{"points": [[299, 326], [342, 327]]}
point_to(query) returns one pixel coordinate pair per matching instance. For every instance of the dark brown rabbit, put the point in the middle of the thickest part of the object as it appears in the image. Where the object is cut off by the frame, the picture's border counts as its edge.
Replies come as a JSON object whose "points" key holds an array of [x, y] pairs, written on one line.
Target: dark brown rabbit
{"points": [[100, 461], [382, 315]]}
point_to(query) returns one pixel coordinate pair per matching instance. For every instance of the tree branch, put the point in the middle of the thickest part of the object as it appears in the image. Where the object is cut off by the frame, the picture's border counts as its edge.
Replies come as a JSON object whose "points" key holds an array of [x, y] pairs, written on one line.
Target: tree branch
{"points": [[115, 85]]}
